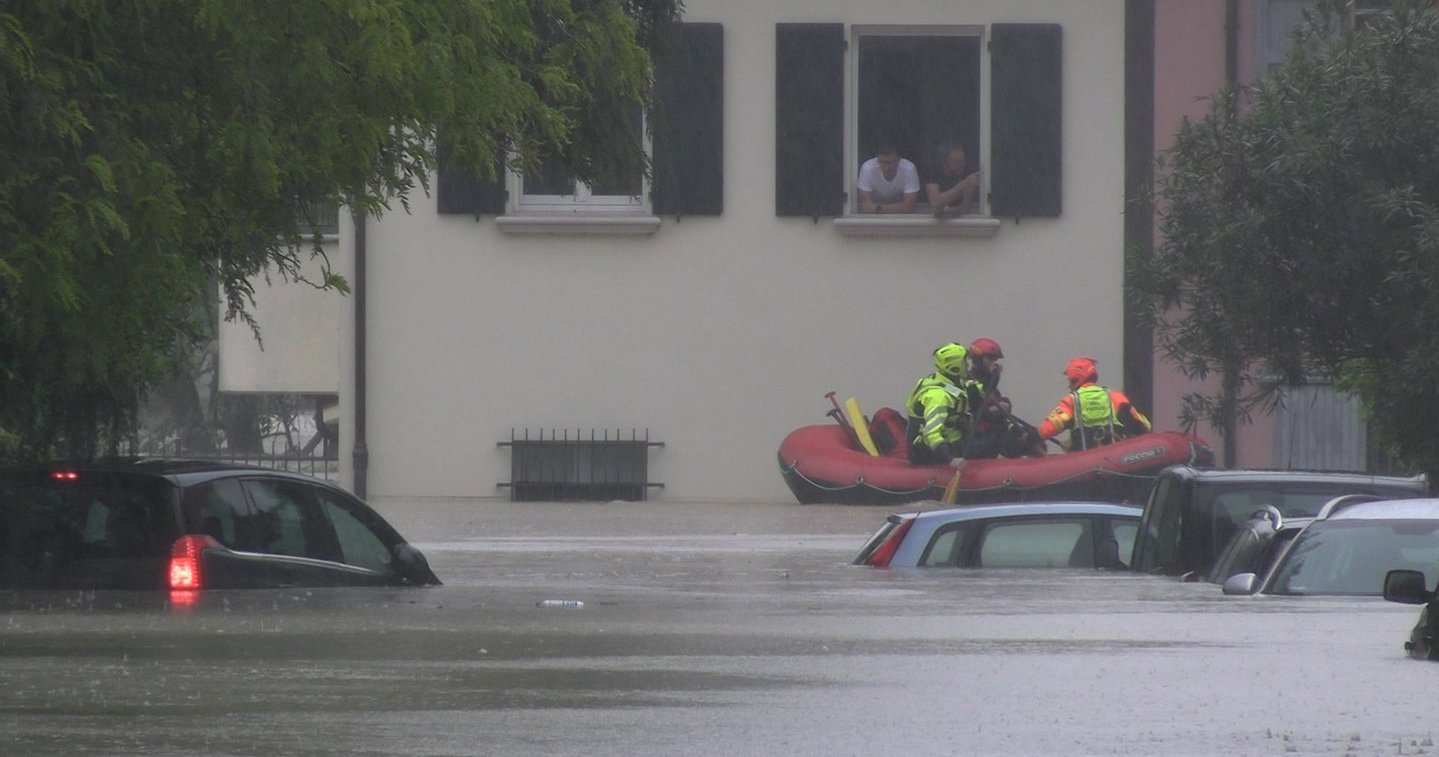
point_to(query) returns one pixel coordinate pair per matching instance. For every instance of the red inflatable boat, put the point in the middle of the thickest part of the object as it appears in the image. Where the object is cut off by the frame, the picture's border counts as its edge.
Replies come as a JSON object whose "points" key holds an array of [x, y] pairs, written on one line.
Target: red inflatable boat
{"points": [[821, 463]]}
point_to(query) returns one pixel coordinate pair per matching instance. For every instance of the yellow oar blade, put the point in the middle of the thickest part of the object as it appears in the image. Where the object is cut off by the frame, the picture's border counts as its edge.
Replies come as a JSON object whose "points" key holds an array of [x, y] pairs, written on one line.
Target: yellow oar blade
{"points": [[860, 426]]}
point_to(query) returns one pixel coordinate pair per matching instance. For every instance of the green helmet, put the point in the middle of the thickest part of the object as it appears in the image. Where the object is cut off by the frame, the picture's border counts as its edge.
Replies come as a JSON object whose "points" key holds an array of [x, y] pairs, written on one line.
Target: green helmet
{"points": [[952, 360]]}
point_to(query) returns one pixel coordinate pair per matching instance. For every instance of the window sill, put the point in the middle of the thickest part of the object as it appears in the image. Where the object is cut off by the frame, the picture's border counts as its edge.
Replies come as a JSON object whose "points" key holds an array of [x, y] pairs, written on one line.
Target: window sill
{"points": [[540, 223], [916, 225]]}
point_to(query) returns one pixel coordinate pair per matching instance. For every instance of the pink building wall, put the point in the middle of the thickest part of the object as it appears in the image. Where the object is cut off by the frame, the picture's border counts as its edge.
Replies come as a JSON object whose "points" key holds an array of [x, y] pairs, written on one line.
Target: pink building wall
{"points": [[1189, 67]]}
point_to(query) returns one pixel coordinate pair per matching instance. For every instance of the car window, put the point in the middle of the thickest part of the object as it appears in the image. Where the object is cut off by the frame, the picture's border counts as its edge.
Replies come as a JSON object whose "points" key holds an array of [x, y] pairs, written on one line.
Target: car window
{"points": [[1158, 550], [214, 508], [359, 545], [286, 520], [1038, 543], [1353, 556], [1241, 555], [947, 544], [84, 530]]}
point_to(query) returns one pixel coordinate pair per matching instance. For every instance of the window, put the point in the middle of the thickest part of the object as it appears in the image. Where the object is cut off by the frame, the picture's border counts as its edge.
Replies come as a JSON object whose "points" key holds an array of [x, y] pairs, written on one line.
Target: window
{"points": [[551, 187], [358, 544], [285, 521], [687, 155], [211, 509], [1038, 544], [928, 84], [917, 89], [947, 546]]}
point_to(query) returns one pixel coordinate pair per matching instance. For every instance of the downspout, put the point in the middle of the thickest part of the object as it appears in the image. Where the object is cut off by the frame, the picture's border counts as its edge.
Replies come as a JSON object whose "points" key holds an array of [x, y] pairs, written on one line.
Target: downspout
{"points": [[1229, 400], [361, 453], [1138, 348]]}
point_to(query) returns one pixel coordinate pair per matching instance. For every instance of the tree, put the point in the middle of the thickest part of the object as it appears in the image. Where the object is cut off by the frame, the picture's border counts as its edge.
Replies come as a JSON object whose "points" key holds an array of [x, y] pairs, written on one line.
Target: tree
{"points": [[150, 149], [1300, 225]]}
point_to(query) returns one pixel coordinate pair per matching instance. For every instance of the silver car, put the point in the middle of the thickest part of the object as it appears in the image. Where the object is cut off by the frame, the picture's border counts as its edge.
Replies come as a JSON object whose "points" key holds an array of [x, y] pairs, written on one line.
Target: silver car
{"points": [[1349, 548], [1026, 535]]}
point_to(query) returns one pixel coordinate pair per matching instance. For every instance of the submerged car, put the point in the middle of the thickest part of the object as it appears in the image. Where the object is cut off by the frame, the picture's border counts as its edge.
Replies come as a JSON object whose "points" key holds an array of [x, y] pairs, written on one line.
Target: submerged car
{"points": [[1025, 535], [1259, 542], [139, 523], [1349, 549], [1192, 513]]}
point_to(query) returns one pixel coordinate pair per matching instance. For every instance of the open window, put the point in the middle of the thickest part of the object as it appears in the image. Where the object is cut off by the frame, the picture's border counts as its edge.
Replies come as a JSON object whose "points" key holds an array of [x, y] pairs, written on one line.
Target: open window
{"points": [[917, 88], [995, 90]]}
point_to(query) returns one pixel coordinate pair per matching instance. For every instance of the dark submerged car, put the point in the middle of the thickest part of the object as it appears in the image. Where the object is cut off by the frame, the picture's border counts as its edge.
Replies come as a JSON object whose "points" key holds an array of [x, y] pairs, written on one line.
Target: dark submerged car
{"points": [[1192, 513], [141, 523]]}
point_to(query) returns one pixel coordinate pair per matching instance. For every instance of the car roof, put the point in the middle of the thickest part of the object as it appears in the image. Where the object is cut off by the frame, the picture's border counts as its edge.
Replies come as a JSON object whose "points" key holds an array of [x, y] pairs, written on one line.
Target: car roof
{"points": [[1425, 508], [975, 512], [1259, 475], [180, 471]]}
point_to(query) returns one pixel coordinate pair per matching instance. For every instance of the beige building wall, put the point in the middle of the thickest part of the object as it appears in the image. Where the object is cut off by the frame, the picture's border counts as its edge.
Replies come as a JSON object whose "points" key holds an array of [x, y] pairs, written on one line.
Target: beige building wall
{"points": [[299, 346], [721, 334]]}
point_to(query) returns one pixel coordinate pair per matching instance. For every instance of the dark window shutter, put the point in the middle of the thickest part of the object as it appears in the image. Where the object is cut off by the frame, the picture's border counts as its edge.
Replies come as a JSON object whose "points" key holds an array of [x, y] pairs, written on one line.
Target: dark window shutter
{"points": [[688, 113], [459, 190], [809, 128], [1025, 148]]}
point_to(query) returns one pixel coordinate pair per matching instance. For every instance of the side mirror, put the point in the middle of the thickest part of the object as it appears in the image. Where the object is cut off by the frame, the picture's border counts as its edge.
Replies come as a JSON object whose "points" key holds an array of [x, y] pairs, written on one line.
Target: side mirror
{"points": [[413, 567], [1240, 584], [1406, 587], [1108, 556]]}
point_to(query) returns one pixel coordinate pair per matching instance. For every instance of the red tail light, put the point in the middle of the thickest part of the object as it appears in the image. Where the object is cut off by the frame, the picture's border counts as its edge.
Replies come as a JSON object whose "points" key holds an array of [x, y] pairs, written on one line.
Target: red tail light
{"points": [[882, 554], [185, 564]]}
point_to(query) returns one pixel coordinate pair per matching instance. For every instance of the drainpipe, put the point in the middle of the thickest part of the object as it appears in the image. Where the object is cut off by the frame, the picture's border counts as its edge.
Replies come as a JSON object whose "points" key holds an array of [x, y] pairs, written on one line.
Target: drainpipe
{"points": [[361, 454], [1229, 398], [1138, 178]]}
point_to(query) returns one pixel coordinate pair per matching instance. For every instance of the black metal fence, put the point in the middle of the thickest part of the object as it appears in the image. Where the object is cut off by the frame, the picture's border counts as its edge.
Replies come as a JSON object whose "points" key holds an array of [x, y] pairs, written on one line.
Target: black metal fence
{"points": [[583, 467], [318, 464]]}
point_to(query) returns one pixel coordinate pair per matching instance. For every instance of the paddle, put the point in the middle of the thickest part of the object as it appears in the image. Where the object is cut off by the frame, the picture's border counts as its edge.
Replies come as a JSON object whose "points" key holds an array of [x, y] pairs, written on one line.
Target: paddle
{"points": [[839, 417], [951, 491]]}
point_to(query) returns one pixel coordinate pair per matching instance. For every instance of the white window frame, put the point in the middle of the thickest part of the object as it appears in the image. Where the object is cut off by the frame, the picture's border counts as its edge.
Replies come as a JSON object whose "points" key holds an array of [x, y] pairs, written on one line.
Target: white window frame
{"points": [[583, 200], [582, 212], [922, 222]]}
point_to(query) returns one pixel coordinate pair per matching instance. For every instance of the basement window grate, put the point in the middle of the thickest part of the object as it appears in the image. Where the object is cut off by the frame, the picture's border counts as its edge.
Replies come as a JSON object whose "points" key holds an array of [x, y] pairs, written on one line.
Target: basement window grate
{"points": [[593, 466]]}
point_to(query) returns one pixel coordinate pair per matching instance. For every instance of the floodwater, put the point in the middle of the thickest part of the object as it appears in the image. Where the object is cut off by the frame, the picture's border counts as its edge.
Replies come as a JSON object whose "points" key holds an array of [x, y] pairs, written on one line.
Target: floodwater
{"points": [[691, 629]]}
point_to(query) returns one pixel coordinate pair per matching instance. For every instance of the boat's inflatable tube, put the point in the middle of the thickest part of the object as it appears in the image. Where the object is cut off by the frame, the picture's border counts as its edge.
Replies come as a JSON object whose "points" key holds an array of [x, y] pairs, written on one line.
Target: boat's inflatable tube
{"points": [[820, 464]]}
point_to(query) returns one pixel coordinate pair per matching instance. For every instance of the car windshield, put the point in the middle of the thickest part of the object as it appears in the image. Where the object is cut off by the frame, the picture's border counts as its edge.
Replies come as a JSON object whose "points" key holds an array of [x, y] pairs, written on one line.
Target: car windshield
{"points": [[68, 530], [1352, 556]]}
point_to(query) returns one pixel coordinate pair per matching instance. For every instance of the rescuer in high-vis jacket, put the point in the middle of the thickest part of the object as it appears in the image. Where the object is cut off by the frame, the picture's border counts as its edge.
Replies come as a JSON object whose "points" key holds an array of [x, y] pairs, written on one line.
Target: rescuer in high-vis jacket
{"points": [[938, 409], [996, 432], [1093, 414]]}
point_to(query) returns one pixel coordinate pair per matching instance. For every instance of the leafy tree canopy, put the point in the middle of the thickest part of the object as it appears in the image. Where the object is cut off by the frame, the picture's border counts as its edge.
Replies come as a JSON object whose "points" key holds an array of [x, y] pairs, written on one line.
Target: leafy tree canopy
{"points": [[151, 148], [1300, 223]]}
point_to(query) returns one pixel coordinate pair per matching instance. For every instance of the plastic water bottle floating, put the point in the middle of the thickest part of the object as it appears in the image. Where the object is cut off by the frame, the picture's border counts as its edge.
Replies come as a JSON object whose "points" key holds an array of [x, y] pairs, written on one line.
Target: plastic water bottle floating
{"points": [[570, 604]]}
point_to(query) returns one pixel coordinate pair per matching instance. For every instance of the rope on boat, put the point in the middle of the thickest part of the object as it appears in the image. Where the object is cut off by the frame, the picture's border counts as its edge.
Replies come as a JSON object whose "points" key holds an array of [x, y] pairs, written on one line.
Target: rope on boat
{"points": [[1007, 484]]}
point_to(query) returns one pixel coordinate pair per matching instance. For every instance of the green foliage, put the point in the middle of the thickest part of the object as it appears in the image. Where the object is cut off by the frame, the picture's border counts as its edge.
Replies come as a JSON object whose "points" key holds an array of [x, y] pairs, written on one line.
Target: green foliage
{"points": [[1300, 224], [153, 150]]}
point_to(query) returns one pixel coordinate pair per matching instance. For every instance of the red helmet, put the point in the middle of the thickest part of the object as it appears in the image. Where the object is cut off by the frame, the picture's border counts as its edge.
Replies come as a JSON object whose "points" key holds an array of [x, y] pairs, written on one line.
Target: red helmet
{"points": [[1081, 370], [985, 347]]}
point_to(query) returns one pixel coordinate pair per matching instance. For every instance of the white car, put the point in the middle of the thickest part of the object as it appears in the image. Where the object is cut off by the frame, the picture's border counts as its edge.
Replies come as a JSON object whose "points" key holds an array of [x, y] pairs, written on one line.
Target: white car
{"points": [[1349, 549], [1023, 535]]}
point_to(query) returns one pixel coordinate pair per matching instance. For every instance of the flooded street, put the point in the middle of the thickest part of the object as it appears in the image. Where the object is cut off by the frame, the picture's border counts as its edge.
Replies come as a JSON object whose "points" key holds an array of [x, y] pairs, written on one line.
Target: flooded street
{"points": [[690, 629]]}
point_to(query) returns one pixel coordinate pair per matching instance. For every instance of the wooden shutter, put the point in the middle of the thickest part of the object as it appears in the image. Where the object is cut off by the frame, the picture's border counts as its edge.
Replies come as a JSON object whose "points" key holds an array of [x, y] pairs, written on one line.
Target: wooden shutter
{"points": [[459, 190], [809, 123], [688, 116], [1025, 119]]}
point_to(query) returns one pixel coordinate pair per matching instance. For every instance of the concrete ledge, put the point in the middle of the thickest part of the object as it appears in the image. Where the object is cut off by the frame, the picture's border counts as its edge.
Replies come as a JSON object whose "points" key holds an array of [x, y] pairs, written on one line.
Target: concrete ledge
{"points": [[916, 225]]}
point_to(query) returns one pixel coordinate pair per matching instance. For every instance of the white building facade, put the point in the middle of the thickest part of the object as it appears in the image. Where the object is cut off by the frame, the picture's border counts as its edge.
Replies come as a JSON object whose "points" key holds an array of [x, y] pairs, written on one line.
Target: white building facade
{"points": [[713, 307]]}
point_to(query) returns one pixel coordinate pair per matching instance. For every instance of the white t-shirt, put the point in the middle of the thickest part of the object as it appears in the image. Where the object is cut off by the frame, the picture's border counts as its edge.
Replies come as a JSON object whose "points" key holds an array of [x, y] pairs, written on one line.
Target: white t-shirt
{"points": [[871, 179]]}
